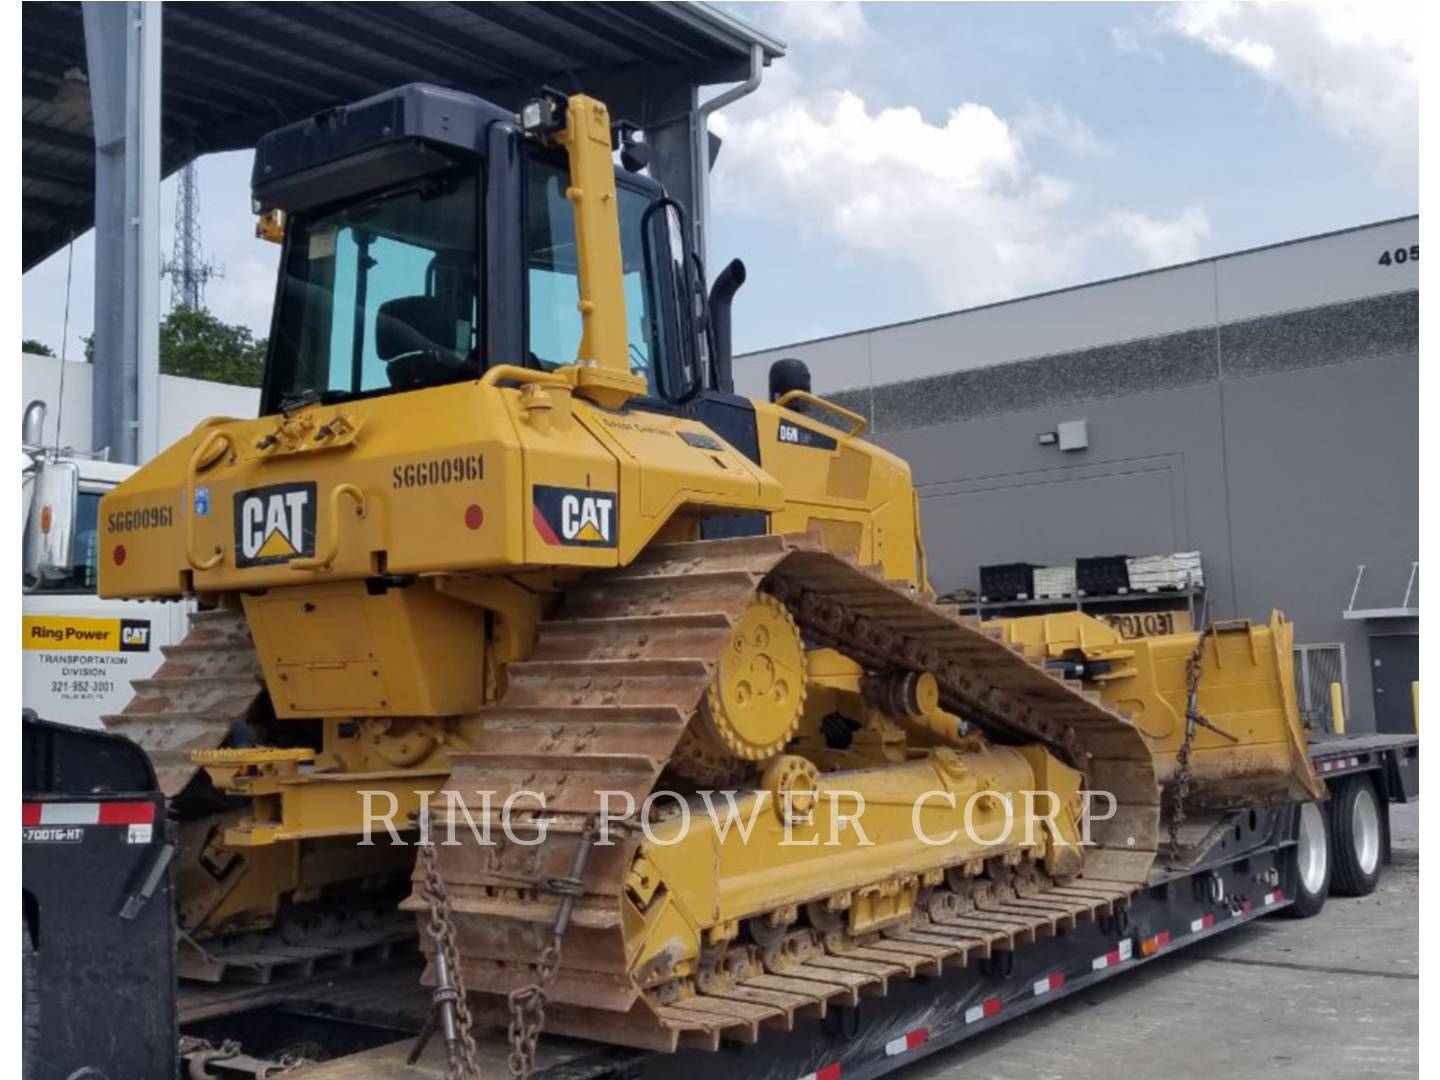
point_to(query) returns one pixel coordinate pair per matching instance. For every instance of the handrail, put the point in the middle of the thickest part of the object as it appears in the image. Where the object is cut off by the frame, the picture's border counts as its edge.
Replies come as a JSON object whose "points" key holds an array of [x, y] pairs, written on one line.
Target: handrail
{"points": [[522, 375], [202, 458], [324, 560], [861, 425]]}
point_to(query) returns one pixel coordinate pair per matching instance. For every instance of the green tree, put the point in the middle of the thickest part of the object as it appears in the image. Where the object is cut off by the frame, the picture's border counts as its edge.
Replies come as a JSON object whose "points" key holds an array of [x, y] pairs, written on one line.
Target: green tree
{"points": [[197, 345], [39, 348]]}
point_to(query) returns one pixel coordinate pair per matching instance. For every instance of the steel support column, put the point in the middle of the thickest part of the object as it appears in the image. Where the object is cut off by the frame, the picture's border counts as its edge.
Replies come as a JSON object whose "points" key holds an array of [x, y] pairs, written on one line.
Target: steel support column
{"points": [[122, 47]]}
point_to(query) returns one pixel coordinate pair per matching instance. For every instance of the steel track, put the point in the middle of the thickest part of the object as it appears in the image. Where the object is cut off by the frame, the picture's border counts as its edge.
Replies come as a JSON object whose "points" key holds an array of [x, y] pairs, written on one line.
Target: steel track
{"points": [[600, 706]]}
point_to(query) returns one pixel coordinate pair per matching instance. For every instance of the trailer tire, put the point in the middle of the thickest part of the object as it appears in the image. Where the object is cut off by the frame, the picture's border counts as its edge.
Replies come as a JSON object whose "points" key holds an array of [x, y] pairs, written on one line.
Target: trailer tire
{"points": [[29, 1003], [1307, 864], [1357, 837]]}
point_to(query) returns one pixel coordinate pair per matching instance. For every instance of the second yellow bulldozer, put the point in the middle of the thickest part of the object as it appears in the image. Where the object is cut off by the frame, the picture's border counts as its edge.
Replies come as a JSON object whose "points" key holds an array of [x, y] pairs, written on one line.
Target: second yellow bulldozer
{"points": [[506, 551]]}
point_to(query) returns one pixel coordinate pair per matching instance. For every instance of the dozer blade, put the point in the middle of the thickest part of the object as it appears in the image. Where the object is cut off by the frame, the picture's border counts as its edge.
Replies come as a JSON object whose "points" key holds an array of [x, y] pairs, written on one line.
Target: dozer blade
{"points": [[600, 706]]}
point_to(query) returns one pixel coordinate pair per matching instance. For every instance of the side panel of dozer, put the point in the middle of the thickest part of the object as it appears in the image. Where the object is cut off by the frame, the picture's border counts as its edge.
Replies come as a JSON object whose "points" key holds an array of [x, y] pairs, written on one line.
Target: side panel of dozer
{"points": [[1255, 748]]}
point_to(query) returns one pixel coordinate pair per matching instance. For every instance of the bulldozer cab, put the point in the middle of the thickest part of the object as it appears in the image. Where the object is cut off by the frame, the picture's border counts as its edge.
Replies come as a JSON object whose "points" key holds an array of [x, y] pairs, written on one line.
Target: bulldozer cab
{"points": [[432, 237]]}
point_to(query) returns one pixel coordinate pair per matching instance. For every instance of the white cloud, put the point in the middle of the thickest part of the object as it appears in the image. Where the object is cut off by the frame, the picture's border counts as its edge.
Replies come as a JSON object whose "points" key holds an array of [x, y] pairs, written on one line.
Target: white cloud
{"points": [[1054, 124], [1137, 40], [1161, 242], [817, 21], [1355, 65], [958, 199]]}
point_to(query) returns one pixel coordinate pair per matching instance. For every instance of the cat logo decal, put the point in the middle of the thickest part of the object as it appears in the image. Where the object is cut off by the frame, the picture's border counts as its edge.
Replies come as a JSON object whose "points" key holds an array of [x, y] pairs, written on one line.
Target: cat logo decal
{"points": [[274, 524], [572, 517]]}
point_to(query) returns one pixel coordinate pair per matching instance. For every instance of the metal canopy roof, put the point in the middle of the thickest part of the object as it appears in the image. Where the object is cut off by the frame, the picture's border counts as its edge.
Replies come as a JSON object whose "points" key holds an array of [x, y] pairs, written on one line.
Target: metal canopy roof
{"points": [[233, 71]]}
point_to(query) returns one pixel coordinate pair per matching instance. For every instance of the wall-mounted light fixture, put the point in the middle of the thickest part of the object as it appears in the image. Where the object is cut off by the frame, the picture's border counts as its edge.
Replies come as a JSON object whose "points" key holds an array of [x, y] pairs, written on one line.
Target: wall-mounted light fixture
{"points": [[1074, 435], [1068, 435]]}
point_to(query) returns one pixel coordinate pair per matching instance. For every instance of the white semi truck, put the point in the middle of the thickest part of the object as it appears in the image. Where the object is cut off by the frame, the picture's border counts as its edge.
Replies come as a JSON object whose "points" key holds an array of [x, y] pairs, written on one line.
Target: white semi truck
{"points": [[80, 652]]}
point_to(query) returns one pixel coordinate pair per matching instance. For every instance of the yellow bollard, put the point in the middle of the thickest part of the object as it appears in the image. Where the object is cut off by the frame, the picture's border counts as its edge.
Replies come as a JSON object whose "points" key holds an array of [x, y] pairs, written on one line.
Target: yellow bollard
{"points": [[1415, 704], [1337, 709]]}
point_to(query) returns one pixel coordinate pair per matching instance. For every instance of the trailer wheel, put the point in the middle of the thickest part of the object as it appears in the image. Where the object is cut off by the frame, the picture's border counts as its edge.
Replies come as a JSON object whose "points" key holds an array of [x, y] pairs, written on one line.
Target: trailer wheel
{"points": [[1307, 866], [29, 1004], [1357, 837]]}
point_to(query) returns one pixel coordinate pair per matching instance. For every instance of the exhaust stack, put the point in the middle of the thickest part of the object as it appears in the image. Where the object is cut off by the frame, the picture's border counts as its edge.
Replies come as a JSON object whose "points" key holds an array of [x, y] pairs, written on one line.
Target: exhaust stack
{"points": [[32, 427]]}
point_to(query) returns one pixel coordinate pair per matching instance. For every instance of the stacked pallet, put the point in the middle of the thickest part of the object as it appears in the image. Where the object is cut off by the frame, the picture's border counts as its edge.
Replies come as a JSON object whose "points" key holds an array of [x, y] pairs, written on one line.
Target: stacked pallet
{"points": [[1007, 581], [1055, 582], [1159, 573]]}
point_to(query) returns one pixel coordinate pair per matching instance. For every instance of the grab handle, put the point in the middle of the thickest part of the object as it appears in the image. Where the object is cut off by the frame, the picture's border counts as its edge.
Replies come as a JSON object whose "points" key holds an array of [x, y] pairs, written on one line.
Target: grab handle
{"points": [[325, 558], [858, 423], [206, 454]]}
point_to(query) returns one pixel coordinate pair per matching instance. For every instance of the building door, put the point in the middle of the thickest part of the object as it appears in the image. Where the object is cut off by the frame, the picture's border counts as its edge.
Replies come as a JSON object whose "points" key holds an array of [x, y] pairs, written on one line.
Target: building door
{"points": [[1394, 665]]}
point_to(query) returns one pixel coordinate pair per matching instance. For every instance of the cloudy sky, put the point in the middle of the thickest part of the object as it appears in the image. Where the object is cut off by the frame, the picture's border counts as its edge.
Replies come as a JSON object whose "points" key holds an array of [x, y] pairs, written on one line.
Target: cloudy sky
{"points": [[906, 159]]}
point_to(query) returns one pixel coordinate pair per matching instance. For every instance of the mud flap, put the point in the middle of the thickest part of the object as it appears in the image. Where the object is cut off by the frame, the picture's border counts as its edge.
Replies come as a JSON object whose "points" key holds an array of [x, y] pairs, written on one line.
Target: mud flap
{"points": [[98, 906]]}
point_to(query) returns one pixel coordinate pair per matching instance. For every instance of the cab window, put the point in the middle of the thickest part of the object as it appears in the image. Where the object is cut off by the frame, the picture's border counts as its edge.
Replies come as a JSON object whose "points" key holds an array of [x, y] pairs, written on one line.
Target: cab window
{"points": [[552, 276], [380, 295]]}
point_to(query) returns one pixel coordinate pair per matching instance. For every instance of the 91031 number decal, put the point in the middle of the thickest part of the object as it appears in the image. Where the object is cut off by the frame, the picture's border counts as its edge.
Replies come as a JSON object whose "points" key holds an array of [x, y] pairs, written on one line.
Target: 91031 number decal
{"points": [[1400, 256]]}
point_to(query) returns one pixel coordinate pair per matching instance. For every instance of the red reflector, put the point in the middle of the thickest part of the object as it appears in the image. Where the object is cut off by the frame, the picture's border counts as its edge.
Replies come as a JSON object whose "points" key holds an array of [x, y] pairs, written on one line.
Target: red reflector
{"points": [[474, 516], [127, 813], [991, 1006], [119, 555], [829, 1072], [916, 1038], [30, 813]]}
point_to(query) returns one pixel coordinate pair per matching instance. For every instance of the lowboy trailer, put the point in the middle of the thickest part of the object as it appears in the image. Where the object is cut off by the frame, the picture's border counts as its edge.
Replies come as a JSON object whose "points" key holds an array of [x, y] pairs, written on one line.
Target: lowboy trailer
{"points": [[89, 802]]}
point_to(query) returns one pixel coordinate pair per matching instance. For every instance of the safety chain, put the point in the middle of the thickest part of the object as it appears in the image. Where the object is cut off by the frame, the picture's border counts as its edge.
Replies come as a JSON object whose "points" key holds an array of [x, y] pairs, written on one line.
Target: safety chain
{"points": [[449, 1003], [1193, 719], [527, 1003], [1181, 785], [197, 1055]]}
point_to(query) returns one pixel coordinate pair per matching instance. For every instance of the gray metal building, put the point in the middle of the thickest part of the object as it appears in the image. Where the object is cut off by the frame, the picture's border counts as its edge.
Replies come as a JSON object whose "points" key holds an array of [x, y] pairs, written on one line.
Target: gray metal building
{"points": [[1260, 407]]}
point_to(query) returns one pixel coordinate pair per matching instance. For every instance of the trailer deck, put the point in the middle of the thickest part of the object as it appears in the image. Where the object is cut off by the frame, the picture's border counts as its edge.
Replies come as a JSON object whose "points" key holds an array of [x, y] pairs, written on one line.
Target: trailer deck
{"points": [[919, 1016], [1239, 866], [1242, 878]]}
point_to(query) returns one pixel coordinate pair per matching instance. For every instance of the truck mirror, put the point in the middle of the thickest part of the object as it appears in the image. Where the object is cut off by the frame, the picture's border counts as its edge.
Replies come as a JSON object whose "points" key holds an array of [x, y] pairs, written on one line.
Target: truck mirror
{"points": [[50, 530]]}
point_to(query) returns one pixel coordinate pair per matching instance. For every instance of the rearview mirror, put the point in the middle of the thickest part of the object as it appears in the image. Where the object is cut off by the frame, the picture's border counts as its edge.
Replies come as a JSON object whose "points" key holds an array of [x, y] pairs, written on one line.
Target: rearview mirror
{"points": [[665, 231], [50, 530]]}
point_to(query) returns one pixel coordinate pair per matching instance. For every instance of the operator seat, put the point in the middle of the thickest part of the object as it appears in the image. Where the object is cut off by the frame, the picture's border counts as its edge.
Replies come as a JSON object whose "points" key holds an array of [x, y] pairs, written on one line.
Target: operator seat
{"points": [[413, 336]]}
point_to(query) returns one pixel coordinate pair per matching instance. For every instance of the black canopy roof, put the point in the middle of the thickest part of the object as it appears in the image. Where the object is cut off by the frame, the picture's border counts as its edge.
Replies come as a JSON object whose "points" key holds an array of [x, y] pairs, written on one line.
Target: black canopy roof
{"points": [[233, 71]]}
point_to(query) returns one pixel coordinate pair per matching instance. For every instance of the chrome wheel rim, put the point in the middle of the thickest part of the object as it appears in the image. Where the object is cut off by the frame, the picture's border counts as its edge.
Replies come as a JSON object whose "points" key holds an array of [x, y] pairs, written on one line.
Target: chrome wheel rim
{"points": [[1365, 829], [1312, 853]]}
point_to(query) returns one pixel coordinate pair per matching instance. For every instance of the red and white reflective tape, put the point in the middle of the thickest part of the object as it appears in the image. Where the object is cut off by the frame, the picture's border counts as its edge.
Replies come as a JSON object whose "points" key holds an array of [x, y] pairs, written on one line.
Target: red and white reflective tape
{"points": [[1205, 922], [94, 813], [1273, 897], [1244, 907], [1114, 957], [1339, 763], [1054, 982], [988, 1007], [909, 1041], [825, 1072]]}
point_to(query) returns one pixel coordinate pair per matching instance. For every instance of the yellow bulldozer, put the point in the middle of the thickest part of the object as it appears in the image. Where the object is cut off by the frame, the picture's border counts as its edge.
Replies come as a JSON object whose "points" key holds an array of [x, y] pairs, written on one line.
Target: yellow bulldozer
{"points": [[506, 559]]}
